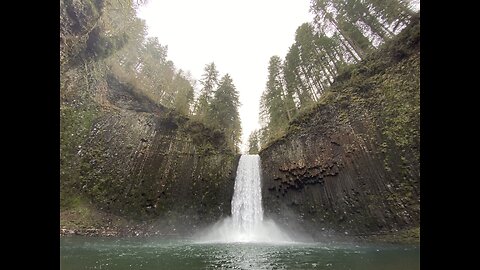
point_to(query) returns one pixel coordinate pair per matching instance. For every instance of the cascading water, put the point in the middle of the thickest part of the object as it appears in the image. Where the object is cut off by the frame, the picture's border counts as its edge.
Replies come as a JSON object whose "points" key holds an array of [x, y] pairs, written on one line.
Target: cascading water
{"points": [[246, 223], [247, 212]]}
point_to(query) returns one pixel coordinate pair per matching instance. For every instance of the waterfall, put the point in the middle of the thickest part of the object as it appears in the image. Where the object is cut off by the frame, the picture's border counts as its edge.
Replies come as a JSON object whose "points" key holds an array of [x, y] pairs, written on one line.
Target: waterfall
{"points": [[247, 223], [247, 212]]}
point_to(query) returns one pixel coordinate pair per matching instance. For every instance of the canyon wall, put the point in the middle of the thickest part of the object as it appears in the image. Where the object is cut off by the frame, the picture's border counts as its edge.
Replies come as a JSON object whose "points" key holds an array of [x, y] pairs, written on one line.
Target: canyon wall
{"points": [[352, 163]]}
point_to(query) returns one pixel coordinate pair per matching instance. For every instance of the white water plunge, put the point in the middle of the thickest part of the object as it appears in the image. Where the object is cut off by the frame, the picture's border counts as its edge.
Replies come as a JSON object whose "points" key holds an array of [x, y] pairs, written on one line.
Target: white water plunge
{"points": [[246, 223], [247, 212]]}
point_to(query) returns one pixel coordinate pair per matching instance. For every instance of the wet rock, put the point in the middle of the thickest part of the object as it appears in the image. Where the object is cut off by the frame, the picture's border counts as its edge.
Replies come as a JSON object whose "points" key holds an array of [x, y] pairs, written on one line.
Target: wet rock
{"points": [[347, 156]]}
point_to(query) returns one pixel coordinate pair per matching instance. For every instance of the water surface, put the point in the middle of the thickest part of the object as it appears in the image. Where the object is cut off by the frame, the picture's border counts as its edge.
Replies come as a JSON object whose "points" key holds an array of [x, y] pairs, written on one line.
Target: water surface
{"points": [[182, 253]]}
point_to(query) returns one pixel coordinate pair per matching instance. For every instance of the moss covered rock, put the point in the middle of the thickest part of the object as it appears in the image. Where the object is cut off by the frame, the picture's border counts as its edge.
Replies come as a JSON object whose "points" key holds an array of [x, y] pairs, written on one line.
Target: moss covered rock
{"points": [[351, 164], [124, 155]]}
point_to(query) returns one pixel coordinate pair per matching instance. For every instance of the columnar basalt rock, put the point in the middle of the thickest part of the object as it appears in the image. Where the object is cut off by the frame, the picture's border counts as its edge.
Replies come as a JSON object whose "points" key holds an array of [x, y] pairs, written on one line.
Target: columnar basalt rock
{"points": [[124, 155], [144, 161], [352, 164]]}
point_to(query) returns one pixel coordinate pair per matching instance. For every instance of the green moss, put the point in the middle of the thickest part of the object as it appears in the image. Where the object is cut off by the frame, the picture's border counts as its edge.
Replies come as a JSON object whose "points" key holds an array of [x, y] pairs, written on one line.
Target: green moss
{"points": [[83, 215], [81, 210], [68, 201], [401, 101], [75, 125]]}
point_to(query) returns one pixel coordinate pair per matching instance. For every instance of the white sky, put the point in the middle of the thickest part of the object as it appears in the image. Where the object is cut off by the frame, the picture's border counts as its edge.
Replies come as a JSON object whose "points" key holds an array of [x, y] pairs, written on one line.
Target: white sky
{"points": [[240, 36]]}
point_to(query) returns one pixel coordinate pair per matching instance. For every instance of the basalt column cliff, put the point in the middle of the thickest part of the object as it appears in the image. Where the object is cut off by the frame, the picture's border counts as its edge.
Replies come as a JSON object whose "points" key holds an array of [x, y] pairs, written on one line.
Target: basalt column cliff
{"points": [[352, 164]]}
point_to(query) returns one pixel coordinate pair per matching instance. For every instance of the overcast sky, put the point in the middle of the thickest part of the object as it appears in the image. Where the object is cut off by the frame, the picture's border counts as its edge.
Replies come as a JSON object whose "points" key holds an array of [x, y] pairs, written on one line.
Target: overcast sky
{"points": [[240, 36]]}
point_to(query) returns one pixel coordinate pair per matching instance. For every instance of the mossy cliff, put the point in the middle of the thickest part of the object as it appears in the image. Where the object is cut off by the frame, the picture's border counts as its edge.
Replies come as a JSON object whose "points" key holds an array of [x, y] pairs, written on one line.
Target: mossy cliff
{"points": [[126, 160], [351, 164]]}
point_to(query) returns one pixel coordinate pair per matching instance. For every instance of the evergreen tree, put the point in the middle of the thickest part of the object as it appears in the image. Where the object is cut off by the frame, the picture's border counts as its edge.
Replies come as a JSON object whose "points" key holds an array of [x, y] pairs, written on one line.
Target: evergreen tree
{"points": [[156, 73], [311, 70], [343, 33], [293, 79], [223, 111], [209, 83], [275, 101], [360, 23], [253, 143], [184, 93]]}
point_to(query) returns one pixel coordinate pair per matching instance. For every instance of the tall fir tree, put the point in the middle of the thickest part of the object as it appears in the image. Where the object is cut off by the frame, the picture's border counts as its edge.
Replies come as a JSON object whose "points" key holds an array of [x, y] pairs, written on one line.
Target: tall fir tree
{"points": [[253, 143], [223, 111], [209, 83]]}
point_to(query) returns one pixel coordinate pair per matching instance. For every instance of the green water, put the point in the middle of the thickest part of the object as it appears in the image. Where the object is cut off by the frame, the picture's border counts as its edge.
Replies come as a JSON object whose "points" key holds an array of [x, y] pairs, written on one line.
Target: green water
{"points": [[171, 253]]}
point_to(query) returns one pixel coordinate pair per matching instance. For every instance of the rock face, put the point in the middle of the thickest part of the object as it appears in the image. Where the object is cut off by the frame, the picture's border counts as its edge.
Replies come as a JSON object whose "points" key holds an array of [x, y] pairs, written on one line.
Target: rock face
{"points": [[126, 156], [352, 163], [143, 161]]}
